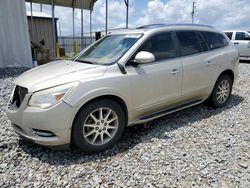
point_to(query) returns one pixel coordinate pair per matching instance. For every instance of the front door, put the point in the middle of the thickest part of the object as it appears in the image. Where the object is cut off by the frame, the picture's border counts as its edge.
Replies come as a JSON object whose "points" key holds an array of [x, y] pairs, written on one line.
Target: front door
{"points": [[156, 85]]}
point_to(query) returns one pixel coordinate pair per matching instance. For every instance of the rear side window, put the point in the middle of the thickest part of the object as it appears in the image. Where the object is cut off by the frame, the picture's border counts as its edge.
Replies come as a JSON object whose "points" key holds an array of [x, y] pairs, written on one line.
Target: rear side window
{"points": [[161, 45], [203, 43], [189, 42], [241, 36], [214, 40], [229, 35]]}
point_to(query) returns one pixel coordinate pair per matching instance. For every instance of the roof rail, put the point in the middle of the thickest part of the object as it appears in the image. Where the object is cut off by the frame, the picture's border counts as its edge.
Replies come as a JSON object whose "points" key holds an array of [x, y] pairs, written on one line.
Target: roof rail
{"points": [[164, 25], [151, 26]]}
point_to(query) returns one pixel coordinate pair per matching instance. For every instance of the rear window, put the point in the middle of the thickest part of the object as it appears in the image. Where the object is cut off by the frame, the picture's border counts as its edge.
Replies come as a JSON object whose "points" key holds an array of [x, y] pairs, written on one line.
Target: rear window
{"points": [[229, 35], [214, 40], [203, 43], [189, 42]]}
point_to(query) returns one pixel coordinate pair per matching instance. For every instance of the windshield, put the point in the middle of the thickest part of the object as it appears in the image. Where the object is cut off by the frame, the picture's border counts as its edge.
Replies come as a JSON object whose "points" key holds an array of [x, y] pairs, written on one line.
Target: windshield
{"points": [[108, 49]]}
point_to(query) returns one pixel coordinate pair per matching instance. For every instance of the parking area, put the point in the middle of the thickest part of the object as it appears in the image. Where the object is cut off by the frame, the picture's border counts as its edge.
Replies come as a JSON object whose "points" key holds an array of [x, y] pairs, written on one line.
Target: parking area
{"points": [[199, 147]]}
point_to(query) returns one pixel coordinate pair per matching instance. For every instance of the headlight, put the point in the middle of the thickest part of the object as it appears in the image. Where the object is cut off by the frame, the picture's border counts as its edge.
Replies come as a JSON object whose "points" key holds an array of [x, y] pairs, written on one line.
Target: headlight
{"points": [[49, 97]]}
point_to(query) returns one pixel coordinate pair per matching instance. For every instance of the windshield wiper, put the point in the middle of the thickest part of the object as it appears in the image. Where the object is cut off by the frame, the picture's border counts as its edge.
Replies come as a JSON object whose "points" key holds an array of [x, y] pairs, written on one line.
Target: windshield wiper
{"points": [[84, 61]]}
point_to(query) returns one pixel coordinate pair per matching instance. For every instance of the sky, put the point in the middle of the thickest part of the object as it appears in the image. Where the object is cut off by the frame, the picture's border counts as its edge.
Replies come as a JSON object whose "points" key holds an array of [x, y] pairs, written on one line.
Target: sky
{"points": [[222, 14]]}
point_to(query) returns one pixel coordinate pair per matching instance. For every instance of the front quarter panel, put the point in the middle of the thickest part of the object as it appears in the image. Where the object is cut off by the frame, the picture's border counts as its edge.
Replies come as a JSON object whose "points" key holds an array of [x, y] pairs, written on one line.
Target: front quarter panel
{"points": [[113, 82]]}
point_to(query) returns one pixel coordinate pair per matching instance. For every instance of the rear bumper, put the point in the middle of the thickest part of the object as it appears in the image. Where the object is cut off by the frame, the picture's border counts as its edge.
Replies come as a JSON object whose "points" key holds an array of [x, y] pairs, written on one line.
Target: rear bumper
{"points": [[27, 121]]}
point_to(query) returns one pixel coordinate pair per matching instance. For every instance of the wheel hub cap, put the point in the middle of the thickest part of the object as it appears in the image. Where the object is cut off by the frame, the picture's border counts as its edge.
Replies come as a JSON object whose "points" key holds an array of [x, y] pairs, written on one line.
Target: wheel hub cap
{"points": [[100, 126], [223, 91]]}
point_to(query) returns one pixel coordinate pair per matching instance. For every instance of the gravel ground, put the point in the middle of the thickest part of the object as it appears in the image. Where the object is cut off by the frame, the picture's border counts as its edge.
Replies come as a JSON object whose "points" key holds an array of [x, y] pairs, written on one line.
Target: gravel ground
{"points": [[196, 147]]}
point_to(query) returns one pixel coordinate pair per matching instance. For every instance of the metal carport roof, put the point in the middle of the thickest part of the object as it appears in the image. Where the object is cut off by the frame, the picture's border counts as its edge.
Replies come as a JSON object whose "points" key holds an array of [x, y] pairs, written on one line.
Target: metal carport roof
{"points": [[87, 4]]}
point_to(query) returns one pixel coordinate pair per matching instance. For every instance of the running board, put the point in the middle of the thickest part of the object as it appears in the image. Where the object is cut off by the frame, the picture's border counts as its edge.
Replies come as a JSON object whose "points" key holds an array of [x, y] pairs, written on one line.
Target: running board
{"points": [[167, 111]]}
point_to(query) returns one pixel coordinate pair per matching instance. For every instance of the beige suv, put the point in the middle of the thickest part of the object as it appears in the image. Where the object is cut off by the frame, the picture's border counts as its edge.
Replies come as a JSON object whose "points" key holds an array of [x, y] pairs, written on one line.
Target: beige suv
{"points": [[125, 78]]}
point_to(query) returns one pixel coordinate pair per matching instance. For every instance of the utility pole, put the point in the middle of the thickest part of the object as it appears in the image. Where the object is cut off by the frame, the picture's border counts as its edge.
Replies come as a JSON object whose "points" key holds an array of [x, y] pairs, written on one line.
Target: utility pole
{"points": [[192, 13], [127, 7], [106, 20]]}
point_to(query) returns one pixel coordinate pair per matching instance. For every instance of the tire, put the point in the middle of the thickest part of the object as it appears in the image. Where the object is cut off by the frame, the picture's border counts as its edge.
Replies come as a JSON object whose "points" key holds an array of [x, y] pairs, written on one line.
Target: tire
{"points": [[93, 132], [223, 85]]}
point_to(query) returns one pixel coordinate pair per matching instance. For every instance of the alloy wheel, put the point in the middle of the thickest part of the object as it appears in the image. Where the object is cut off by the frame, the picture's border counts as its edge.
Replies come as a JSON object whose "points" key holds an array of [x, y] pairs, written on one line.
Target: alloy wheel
{"points": [[223, 91], [100, 126]]}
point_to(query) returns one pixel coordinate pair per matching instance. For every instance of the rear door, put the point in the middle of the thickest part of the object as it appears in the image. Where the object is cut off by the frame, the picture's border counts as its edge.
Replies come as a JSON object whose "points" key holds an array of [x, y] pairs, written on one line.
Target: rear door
{"points": [[242, 43], [198, 61]]}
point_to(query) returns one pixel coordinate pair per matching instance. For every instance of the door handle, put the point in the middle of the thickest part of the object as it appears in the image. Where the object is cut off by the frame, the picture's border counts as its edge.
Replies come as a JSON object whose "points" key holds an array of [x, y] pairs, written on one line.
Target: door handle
{"points": [[210, 63], [236, 43], [175, 71]]}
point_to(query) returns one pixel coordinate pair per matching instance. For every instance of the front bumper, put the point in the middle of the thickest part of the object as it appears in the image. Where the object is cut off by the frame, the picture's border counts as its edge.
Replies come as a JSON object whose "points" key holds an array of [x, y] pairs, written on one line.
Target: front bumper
{"points": [[26, 120]]}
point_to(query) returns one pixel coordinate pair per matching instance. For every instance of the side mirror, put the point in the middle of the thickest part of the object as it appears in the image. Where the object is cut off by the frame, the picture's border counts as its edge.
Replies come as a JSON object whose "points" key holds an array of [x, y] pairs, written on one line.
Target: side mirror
{"points": [[144, 57]]}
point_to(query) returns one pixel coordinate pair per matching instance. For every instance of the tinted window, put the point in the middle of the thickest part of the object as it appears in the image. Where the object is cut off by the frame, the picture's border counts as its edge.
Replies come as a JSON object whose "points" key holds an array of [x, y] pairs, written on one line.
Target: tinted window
{"points": [[203, 43], [161, 46], [189, 42], [214, 40], [229, 34], [241, 36]]}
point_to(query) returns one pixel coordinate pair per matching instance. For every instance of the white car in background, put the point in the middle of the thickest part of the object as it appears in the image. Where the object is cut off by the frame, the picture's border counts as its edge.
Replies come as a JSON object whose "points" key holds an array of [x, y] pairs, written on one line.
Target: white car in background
{"points": [[241, 40]]}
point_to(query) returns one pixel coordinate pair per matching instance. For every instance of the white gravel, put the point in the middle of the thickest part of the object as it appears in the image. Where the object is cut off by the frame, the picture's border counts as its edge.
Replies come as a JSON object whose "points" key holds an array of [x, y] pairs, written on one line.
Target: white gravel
{"points": [[196, 147]]}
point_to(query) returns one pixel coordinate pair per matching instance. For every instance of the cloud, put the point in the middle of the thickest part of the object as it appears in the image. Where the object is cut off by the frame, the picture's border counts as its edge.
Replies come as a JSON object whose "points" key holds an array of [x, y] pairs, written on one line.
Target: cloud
{"points": [[226, 14], [174, 11], [223, 14], [116, 16]]}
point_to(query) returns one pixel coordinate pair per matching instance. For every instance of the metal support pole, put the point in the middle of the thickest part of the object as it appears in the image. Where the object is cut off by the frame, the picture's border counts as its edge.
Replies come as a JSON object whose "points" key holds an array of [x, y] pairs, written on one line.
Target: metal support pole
{"points": [[127, 7], [192, 14], [53, 28], [82, 24], [60, 30], [74, 41], [41, 7], [106, 22], [31, 20], [73, 14], [90, 26]]}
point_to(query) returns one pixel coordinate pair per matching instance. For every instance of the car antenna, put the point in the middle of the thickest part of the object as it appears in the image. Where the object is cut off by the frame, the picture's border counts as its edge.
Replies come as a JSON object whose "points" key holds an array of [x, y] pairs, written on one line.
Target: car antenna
{"points": [[122, 68]]}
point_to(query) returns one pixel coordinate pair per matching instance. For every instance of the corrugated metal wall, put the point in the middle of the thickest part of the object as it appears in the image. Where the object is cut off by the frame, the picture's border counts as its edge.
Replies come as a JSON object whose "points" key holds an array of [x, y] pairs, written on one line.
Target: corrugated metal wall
{"points": [[42, 30], [14, 36]]}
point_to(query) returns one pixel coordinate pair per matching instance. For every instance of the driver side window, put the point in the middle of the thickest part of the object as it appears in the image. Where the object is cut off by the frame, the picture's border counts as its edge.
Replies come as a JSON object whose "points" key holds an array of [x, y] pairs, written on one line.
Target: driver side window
{"points": [[161, 46]]}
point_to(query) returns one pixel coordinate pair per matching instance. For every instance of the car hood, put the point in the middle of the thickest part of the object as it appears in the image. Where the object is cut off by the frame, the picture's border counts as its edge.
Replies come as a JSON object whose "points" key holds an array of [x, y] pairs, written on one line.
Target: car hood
{"points": [[57, 73]]}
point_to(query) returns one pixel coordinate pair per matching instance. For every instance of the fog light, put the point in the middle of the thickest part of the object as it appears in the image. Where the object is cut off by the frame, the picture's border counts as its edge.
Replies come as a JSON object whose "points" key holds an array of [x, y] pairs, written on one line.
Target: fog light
{"points": [[43, 133]]}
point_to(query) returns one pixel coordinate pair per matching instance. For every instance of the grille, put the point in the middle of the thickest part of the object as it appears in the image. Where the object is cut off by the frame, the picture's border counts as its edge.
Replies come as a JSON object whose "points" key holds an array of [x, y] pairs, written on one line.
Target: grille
{"points": [[18, 96]]}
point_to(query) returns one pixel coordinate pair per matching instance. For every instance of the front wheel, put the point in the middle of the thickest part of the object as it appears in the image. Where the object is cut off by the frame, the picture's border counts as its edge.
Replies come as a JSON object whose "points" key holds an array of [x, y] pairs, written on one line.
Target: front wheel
{"points": [[98, 126], [221, 92]]}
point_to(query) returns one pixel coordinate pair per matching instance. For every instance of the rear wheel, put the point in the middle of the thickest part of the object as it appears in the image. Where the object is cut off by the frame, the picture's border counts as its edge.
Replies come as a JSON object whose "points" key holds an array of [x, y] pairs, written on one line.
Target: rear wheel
{"points": [[221, 92], [98, 126]]}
